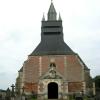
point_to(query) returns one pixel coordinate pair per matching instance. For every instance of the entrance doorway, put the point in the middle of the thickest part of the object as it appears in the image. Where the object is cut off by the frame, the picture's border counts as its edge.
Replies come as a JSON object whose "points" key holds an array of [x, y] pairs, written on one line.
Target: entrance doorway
{"points": [[52, 90]]}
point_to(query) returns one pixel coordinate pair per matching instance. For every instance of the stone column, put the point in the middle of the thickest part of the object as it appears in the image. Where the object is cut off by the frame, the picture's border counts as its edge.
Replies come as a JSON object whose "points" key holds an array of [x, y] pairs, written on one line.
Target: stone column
{"points": [[40, 66], [65, 66], [65, 90], [84, 87]]}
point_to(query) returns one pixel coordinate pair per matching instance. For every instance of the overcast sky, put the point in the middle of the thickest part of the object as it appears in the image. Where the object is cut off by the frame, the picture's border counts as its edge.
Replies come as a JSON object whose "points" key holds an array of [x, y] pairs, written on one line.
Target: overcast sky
{"points": [[20, 29]]}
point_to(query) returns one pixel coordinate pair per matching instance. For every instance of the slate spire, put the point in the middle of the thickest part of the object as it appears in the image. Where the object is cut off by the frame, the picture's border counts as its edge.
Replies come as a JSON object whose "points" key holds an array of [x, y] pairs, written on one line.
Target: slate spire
{"points": [[52, 15], [60, 17], [43, 19], [52, 42]]}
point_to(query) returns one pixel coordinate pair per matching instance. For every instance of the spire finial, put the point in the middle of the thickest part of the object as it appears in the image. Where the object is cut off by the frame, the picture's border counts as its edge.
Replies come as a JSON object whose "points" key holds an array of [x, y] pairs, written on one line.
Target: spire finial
{"points": [[51, 1], [59, 17], [43, 19]]}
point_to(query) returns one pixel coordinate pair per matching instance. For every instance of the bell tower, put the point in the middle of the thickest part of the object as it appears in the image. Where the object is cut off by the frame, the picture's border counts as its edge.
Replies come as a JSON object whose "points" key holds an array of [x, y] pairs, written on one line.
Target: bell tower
{"points": [[52, 42]]}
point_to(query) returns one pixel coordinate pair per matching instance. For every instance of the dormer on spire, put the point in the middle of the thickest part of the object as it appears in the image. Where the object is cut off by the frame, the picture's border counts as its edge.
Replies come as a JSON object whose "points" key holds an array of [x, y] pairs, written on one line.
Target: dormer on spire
{"points": [[52, 15]]}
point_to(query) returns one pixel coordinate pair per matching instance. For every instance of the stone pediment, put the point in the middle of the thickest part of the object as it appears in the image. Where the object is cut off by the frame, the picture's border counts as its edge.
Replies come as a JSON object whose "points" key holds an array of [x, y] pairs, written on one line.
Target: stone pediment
{"points": [[52, 74]]}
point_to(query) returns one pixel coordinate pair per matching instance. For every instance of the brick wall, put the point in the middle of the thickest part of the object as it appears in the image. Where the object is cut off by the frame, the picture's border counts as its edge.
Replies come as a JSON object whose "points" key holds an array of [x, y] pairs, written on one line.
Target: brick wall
{"points": [[30, 70], [67, 65], [74, 69], [31, 87], [75, 86]]}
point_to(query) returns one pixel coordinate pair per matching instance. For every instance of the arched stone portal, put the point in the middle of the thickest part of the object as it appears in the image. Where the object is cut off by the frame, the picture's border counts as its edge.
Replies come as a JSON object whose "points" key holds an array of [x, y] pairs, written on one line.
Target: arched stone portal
{"points": [[52, 90]]}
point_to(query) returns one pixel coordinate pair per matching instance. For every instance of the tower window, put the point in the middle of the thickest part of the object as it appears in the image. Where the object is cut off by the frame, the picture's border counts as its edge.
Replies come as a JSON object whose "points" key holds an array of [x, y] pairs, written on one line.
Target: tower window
{"points": [[51, 26]]}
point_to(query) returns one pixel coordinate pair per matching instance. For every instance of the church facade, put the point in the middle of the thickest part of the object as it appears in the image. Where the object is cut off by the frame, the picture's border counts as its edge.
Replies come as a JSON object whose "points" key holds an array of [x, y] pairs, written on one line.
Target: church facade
{"points": [[53, 70]]}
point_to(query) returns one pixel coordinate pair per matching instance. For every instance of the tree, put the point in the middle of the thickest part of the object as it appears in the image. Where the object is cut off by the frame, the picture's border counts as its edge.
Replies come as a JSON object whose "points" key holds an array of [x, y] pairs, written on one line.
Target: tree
{"points": [[97, 83]]}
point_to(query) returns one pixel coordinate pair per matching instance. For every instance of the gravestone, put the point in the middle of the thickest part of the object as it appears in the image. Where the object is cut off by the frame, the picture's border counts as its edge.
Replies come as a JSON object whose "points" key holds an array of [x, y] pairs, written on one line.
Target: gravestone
{"points": [[8, 94], [12, 92], [0, 96], [23, 94]]}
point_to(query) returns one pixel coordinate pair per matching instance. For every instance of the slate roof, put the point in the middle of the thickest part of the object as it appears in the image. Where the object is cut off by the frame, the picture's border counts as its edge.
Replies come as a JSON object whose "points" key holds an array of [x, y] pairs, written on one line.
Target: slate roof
{"points": [[52, 48], [21, 70]]}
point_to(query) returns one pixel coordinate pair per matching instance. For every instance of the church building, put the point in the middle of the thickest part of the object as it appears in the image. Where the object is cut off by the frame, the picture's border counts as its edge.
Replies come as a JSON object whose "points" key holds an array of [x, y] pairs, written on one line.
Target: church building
{"points": [[53, 70]]}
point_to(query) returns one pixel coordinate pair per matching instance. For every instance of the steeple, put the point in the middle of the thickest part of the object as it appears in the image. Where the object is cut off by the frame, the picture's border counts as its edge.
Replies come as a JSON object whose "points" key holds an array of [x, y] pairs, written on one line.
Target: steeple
{"points": [[52, 15], [52, 42]]}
